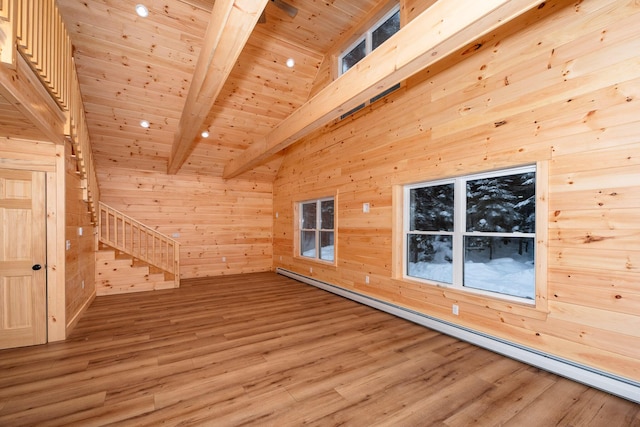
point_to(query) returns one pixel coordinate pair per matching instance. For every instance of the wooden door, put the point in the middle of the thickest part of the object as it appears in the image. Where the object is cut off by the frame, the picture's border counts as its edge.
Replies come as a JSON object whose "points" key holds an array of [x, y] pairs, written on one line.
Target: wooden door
{"points": [[23, 315]]}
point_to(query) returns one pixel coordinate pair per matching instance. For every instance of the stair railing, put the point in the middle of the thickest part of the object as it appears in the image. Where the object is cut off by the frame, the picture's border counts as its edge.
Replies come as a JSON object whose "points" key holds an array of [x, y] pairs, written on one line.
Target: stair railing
{"points": [[132, 237]]}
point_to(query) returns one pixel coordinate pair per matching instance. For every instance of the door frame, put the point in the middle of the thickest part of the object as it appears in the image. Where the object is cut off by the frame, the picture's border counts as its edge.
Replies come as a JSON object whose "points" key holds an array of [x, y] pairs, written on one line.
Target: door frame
{"points": [[24, 218], [44, 156]]}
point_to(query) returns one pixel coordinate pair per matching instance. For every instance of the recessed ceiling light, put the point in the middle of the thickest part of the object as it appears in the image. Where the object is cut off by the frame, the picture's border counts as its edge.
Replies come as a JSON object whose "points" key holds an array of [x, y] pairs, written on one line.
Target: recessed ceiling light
{"points": [[205, 134], [142, 10], [290, 62], [145, 124]]}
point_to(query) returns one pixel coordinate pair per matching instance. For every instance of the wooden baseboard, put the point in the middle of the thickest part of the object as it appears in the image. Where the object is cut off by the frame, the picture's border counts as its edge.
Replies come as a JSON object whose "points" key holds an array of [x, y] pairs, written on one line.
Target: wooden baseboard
{"points": [[74, 320]]}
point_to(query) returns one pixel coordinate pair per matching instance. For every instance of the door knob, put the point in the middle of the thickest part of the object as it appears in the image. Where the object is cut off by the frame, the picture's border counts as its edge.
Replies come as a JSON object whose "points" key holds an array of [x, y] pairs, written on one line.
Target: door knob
{"points": [[36, 267]]}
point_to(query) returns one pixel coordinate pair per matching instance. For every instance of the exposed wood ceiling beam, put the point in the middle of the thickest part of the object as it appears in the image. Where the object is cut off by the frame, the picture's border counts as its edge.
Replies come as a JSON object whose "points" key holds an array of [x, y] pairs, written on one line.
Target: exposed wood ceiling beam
{"points": [[437, 32], [230, 26]]}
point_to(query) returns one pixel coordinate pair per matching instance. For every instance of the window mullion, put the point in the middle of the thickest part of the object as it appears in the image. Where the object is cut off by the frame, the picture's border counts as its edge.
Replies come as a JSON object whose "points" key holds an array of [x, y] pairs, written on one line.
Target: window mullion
{"points": [[459, 226], [318, 227]]}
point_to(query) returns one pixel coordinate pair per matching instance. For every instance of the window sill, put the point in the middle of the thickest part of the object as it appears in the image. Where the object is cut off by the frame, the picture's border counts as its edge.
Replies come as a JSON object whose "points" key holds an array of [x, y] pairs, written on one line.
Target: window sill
{"points": [[316, 262], [535, 310]]}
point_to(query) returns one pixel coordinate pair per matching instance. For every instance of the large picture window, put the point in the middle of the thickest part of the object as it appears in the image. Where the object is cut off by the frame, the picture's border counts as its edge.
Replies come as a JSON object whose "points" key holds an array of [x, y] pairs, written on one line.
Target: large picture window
{"points": [[474, 232], [317, 233]]}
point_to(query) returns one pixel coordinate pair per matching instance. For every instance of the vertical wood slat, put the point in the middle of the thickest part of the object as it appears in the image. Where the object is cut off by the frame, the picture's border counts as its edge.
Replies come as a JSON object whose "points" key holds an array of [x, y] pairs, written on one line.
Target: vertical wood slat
{"points": [[53, 51], [40, 32], [176, 265], [23, 35], [36, 35], [5, 9], [162, 251]]}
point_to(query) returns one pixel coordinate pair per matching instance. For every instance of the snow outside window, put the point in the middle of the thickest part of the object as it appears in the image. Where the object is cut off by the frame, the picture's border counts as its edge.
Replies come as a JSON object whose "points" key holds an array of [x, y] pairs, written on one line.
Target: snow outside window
{"points": [[372, 38], [474, 232], [317, 232]]}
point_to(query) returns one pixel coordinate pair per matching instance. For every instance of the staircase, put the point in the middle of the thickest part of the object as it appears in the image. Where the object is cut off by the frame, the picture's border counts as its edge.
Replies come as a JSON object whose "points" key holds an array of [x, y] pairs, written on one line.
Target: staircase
{"points": [[132, 257], [119, 273]]}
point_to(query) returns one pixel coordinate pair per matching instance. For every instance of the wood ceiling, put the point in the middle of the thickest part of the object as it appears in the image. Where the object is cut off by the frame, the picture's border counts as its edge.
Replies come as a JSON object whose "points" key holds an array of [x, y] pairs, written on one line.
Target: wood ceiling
{"points": [[132, 69]]}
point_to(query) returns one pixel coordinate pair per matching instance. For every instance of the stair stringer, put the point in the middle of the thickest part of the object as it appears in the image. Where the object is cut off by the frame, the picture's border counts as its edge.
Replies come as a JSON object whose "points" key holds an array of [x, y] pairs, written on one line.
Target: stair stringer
{"points": [[119, 273]]}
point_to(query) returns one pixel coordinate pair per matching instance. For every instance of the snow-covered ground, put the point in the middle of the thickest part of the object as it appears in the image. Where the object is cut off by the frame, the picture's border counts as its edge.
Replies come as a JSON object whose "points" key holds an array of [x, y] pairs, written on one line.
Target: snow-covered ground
{"points": [[326, 253], [511, 274], [504, 275], [507, 273]]}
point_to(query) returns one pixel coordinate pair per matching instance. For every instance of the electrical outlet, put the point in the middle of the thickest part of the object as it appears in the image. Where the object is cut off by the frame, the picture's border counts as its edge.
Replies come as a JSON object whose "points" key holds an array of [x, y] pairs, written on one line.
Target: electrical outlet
{"points": [[310, 269], [455, 310], [224, 259], [366, 279], [83, 284], [79, 231], [365, 207], [68, 244]]}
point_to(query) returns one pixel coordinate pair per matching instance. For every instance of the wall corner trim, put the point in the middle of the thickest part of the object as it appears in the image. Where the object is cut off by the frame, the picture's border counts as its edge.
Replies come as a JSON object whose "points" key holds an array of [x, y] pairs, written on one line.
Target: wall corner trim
{"points": [[610, 383]]}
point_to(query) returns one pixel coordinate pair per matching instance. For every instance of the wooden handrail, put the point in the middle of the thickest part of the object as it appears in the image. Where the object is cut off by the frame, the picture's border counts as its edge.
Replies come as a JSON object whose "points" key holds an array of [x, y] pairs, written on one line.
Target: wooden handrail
{"points": [[128, 235]]}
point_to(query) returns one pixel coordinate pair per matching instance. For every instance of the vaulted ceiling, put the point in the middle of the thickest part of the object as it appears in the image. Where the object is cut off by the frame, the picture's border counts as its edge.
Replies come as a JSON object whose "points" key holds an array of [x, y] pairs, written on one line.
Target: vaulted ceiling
{"points": [[133, 69]]}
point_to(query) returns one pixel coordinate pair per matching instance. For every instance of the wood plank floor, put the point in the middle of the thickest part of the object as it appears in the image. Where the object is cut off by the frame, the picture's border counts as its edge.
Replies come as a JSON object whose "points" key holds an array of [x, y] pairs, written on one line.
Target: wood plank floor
{"points": [[262, 349]]}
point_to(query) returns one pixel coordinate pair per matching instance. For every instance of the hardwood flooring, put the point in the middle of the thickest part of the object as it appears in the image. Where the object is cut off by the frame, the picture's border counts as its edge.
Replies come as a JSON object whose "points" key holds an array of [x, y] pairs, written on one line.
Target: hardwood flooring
{"points": [[265, 350]]}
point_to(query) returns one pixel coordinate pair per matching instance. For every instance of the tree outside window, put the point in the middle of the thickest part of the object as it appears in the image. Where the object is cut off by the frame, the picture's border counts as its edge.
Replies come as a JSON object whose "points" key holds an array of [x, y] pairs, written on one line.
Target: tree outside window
{"points": [[475, 232], [317, 232], [372, 38]]}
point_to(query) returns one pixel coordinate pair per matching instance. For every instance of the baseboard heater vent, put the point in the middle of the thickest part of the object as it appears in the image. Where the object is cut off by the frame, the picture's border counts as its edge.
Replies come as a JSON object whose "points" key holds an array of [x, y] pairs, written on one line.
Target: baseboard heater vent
{"points": [[619, 386]]}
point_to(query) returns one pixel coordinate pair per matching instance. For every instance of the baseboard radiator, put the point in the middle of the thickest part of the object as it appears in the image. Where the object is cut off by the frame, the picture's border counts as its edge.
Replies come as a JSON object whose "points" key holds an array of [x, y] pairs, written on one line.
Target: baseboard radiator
{"points": [[616, 385]]}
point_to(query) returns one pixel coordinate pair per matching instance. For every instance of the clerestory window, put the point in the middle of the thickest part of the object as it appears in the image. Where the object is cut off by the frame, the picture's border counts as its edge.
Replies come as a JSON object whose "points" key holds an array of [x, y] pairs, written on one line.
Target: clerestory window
{"points": [[367, 43]]}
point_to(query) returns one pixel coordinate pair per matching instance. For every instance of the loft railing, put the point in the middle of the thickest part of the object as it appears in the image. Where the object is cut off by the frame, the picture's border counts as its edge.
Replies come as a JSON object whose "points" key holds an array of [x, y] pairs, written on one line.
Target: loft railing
{"points": [[77, 132], [44, 42], [130, 236], [35, 30]]}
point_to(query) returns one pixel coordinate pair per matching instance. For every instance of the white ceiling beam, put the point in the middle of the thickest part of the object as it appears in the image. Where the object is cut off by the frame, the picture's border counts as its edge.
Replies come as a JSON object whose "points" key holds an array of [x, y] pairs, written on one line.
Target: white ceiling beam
{"points": [[230, 26], [437, 32]]}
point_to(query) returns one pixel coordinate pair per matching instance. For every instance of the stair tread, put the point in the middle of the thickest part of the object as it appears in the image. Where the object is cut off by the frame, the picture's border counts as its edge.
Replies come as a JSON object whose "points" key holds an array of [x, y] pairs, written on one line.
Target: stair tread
{"points": [[118, 272]]}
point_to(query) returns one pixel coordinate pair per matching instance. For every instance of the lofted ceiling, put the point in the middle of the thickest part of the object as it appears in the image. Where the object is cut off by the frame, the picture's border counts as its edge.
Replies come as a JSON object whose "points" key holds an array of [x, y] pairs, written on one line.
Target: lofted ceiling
{"points": [[133, 69]]}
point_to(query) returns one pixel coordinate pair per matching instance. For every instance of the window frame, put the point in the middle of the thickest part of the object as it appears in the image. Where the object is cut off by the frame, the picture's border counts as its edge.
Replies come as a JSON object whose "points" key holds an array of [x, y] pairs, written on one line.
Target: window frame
{"points": [[460, 231], [367, 36], [318, 230]]}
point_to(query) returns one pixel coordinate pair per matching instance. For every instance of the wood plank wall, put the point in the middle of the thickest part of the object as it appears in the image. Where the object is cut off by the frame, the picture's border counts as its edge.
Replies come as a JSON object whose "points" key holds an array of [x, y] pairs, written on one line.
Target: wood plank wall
{"points": [[561, 85], [80, 283], [224, 227]]}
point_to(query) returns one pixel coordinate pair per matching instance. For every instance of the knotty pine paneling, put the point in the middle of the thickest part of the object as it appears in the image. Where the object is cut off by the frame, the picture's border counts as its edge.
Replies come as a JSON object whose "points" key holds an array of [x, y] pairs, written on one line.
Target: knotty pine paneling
{"points": [[80, 284], [215, 219], [13, 122], [559, 85]]}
